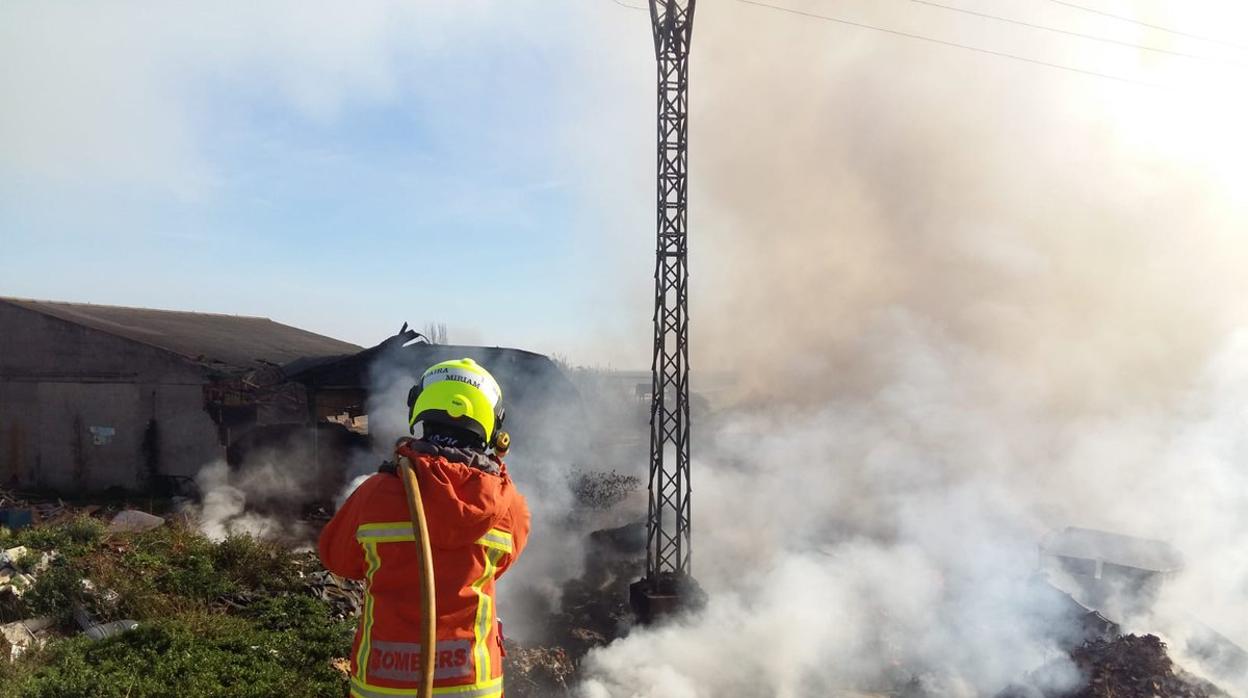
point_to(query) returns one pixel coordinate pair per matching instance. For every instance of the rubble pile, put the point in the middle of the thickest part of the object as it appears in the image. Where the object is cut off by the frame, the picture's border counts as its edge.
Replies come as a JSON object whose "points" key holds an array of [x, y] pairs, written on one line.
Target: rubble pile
{"points": [[18, 637], [538, 671], [594, 607], [593, 611], [1134, 665], [18, 571], [1125, 666]]}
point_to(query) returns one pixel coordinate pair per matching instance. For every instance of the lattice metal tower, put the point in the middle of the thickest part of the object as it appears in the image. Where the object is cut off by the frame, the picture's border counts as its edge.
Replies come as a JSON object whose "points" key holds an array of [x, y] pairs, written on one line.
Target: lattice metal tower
{"points": [[668, 552]]}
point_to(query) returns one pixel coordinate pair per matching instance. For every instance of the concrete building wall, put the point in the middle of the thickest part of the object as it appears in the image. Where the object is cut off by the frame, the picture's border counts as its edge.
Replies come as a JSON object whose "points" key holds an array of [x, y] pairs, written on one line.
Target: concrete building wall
{"points": [[87, 435], [19, 436], [75, 405], [188, 438]]}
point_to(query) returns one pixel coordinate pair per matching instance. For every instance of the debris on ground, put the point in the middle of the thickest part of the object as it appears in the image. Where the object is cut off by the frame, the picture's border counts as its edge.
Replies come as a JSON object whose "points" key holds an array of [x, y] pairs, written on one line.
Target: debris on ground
{"points": [[108, 600], [1128, 666], [11, 557], [538, 671], [19, 511], [344, 596], [100, 631], [24, 635], [16, 519], [169, 599], [1135, 665], [19, 570], [127, 575], [134, 521], [594, 607], [592, 612]]}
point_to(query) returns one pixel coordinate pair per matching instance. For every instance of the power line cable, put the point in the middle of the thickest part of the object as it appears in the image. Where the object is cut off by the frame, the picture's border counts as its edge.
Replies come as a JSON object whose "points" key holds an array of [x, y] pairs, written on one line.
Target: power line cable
{"points": [[1067, 32], [954, 44], [1132, 20], [621, 3]]}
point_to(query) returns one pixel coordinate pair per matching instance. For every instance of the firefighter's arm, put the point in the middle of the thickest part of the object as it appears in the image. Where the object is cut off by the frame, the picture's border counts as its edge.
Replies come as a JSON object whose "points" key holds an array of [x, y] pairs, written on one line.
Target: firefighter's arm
{"points": [[340, 552], [519, 523]]}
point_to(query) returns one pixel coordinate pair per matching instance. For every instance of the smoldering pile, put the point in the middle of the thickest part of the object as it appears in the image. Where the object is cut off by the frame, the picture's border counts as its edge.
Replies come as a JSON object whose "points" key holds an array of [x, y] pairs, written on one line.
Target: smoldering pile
{"points": [[1134, 665], [592, 608], [592, 612], [1128, 666], [534, 671]]}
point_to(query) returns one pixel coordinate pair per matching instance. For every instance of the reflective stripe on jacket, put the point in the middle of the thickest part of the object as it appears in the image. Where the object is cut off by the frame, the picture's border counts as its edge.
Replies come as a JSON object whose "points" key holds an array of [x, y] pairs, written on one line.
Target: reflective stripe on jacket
{"points": [[478, 524]]}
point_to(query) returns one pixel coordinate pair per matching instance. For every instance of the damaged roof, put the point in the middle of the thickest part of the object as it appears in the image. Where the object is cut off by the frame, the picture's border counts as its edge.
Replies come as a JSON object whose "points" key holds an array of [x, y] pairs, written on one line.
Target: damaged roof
{"points": [[232, 340], [354, 370], [1114, 548], [532, 383]]}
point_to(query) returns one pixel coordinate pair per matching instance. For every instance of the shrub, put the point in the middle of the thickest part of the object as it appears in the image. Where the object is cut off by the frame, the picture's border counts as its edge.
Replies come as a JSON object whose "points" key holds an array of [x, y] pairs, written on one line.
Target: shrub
{"points": [[255, 564], [305, 621], [77, 536], [156, 573], [57, 591]]}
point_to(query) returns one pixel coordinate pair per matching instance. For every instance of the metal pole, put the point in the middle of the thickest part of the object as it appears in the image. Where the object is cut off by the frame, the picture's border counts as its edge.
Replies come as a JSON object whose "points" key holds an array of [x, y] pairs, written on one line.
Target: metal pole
{"points": [[668, 549]]}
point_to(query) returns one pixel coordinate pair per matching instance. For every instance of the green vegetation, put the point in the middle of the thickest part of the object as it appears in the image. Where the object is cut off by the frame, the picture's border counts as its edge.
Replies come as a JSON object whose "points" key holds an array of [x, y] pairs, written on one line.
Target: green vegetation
{"points": [[75, 537], [216, 619]]}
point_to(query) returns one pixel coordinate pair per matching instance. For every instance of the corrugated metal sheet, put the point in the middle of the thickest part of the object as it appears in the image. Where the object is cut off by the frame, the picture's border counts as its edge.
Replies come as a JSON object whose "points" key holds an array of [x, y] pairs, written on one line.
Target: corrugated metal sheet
{"points": [[1113, 548]]}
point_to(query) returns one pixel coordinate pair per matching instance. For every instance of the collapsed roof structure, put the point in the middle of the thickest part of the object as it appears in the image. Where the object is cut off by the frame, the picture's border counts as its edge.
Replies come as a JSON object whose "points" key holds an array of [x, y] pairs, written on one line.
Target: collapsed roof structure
{"points": [[535, 390]]}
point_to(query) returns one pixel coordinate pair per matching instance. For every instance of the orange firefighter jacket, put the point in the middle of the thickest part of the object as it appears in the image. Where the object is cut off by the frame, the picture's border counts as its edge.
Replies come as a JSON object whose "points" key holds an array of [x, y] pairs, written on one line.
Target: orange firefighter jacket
{"points": [[478, 525]]}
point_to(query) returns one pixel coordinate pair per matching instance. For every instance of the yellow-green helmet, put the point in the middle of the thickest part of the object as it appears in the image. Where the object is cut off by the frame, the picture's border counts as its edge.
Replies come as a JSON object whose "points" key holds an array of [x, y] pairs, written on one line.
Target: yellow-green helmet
{"points": [[458, 393]]}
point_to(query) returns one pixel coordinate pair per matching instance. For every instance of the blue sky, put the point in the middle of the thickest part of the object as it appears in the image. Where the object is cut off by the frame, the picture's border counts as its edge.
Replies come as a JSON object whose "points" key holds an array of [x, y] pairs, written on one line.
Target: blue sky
{"points": [[483, 164], [489, 163]]}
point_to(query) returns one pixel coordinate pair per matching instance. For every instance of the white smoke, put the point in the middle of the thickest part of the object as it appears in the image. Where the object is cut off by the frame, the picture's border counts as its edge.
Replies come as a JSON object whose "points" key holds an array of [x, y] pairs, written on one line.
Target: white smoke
{"points": [[223, 511], [386, 406], [283, 474], [968, 302], [876, 541]]}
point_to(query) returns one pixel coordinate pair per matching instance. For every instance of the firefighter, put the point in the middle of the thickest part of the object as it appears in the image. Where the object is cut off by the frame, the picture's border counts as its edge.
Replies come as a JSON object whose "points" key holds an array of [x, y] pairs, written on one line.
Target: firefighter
{"points": [[478, 524]]}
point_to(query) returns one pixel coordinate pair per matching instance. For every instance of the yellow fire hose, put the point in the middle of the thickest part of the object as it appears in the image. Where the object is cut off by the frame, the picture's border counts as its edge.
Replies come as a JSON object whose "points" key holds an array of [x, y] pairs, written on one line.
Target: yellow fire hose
{"points": [[428, 603]]}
